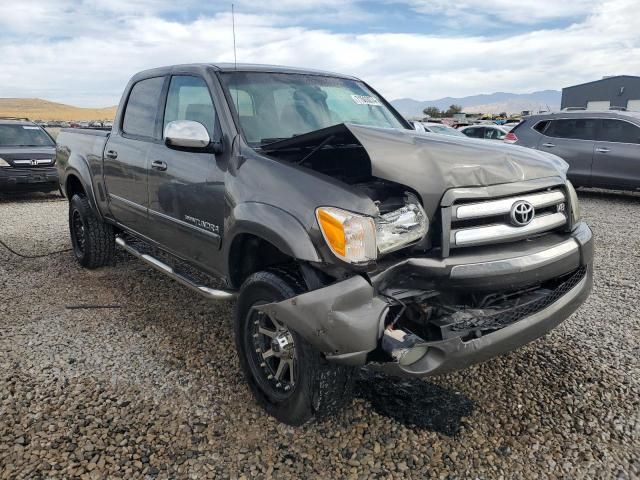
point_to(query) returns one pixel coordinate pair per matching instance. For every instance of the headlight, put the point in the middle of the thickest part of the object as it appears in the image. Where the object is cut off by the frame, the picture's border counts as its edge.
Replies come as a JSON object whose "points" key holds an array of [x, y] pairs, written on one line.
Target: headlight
{"points": [[3, 163], [576, 215], [358, 238], [350, 236], [401, 227]]}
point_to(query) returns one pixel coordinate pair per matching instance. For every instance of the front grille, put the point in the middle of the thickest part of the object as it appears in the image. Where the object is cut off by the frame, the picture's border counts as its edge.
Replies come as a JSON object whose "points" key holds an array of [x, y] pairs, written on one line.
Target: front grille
{"points": [[33, 162], [486, 222], [499, 320]]}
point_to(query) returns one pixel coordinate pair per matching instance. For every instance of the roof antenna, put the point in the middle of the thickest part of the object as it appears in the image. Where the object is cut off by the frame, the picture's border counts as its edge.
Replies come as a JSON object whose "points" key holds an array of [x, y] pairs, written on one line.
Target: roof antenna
{"points": [[233, 29], [240, 158]]}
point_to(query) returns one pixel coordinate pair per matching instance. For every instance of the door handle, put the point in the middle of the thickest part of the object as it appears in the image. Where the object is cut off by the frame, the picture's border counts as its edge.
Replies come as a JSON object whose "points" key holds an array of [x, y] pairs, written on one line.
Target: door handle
{"points": [[602, 150], [549, 145], [159, 165], [112, 154]]}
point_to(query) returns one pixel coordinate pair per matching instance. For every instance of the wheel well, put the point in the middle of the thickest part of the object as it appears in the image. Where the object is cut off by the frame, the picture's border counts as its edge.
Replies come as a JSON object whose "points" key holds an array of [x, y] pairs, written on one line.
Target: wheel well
{"points": [[73, 186], [249, 254]]}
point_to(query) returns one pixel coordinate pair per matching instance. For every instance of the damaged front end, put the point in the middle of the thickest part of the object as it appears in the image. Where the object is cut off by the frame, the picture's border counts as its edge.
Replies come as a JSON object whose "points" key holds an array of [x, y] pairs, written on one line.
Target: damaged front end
{"points": [[438, 275], [421, 333]]}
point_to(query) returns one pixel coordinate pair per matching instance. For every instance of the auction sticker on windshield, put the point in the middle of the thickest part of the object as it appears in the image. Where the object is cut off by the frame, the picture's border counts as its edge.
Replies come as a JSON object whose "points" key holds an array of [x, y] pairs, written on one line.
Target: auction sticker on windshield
{"points": [[366, 100]]}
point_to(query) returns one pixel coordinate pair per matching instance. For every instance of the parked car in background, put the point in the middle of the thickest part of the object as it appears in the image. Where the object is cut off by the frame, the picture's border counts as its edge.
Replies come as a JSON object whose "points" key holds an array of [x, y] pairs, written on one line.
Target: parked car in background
{"points": [[27, 156], [488, 132], [439, 128], [601, 148]]}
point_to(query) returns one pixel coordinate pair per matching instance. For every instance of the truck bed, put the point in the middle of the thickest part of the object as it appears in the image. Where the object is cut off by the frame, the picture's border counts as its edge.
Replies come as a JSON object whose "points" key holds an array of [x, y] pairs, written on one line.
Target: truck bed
{"points": [[84, 142]]}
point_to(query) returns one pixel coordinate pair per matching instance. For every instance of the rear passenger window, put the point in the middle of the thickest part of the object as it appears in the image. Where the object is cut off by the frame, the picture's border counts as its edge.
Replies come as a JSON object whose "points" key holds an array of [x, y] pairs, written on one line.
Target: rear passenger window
{"points": [[189, 99], [618, 131], [575, 128], [493, 133], [539, 127], [477, 132], [142, 108]]}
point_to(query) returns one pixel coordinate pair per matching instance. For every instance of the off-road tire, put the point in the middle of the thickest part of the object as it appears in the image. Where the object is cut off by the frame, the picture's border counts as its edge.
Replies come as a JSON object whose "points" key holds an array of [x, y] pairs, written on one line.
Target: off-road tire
{"points": [[98, 248], [322, 388]]}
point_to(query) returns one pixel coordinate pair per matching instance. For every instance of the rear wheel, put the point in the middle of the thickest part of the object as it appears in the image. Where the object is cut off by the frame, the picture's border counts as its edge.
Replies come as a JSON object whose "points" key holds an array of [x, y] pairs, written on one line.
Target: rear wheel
{"points": [[93, 240], [289, 379]]}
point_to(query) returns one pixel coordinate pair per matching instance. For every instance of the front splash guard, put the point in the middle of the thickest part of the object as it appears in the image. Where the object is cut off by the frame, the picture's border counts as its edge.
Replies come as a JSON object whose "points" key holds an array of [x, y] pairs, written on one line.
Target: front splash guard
{"points": [[343, 320]]}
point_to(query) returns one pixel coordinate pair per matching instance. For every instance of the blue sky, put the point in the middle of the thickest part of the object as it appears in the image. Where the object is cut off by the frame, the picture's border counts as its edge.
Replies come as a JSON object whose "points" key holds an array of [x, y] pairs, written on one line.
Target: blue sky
{"points": [[83, 51]]}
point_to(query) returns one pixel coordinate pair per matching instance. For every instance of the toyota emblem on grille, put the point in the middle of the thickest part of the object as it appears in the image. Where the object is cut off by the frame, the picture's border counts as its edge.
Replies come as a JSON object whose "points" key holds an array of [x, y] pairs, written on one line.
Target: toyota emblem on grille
{"points": [[522, 213]]}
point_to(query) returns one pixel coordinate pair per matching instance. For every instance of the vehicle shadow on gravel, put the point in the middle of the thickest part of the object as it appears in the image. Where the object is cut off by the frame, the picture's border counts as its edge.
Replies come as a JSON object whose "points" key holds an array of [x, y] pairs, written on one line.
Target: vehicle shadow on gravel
{"points": [[414, 402], [625, 196], [24, 197]]}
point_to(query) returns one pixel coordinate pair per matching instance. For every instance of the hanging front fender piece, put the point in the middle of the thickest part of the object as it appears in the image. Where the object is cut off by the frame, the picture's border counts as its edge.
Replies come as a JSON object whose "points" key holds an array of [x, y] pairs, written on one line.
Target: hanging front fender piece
{"points": [[343, 320]]}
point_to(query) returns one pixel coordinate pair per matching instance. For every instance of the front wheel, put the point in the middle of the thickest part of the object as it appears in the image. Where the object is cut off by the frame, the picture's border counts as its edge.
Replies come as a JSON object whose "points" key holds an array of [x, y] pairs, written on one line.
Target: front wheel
{"points": [[288, 378], [93, 240]]}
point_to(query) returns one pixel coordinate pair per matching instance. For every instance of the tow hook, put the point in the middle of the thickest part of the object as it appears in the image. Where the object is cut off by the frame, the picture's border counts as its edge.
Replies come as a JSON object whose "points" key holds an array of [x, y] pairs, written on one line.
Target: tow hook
{"points": [[403, 346]]}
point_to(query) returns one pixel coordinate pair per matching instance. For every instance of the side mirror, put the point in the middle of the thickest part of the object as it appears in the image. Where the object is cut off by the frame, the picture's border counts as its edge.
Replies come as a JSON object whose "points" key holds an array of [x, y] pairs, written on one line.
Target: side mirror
{"points": [[418, 127], [186, 134]]}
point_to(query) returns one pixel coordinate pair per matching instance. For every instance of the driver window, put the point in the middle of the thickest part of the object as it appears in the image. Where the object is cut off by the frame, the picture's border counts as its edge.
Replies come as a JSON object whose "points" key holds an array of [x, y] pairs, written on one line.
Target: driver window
{"points": [[189, 99]]}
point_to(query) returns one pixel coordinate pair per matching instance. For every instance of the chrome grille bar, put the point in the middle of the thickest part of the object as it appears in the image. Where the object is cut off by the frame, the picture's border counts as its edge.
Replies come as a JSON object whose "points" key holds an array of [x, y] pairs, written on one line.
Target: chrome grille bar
{"points": [[41, 161], [505, 233], [502, 206]]}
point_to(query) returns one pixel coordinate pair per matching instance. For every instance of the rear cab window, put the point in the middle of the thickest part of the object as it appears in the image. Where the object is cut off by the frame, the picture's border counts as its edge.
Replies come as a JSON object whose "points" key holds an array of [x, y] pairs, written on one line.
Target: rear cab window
{"points": [[141, 112]]}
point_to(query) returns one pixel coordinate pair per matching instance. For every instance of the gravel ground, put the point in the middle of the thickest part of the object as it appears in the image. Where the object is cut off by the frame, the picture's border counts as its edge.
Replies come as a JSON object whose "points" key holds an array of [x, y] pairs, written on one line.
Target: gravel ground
{"points": [[151, 387]]}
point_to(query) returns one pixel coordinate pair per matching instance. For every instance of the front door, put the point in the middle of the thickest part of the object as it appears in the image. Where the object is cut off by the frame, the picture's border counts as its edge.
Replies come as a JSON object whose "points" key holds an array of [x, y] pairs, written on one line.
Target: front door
{"points": [[616, 161], [186, 188], [573, 140], [126, 152]]}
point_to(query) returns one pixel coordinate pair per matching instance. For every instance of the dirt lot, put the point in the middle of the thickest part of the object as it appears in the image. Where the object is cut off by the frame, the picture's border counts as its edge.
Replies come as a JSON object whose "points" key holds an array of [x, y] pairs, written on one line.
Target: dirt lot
{"points": [[150, 387]]}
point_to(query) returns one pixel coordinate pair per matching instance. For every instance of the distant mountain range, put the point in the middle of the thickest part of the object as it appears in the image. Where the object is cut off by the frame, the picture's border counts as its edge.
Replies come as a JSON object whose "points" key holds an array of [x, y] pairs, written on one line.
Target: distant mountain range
{"points": [[485, 103], [38, 109]]}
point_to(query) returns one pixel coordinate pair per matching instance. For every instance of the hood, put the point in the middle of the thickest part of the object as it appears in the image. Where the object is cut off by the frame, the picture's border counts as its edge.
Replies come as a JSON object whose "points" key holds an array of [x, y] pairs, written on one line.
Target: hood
{"points": [[431, 164]]}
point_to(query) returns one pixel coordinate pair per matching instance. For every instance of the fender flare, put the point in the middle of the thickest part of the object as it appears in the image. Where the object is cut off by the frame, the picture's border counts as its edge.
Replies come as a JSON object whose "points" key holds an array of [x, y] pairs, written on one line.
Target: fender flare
{"points": [[79, 167], [274, 225]]}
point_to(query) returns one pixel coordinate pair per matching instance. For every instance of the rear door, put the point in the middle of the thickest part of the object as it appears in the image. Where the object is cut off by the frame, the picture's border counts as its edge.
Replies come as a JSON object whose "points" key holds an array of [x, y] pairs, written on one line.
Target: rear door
{"points": [[572, 139], [186, 188], [616, 161], [126, 154]]}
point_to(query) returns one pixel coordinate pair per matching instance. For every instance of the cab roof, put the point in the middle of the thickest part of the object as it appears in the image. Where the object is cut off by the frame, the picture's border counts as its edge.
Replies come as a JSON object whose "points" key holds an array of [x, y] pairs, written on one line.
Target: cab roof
{"points": [[241, 67]]}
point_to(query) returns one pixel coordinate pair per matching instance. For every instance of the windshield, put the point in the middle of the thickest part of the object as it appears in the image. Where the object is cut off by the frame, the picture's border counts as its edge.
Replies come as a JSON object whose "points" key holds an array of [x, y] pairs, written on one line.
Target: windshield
{"points": [[24, 136], [444, 130], [274, 106]]}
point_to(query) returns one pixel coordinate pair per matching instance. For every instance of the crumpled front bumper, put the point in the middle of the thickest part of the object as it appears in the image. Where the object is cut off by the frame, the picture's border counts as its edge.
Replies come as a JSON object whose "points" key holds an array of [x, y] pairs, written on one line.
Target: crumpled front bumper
{"points": [[345, 320]]}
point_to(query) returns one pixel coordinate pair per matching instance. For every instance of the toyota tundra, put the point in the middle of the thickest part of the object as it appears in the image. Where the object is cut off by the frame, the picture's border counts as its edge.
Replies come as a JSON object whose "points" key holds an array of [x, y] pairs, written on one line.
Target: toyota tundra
{"points": [[345, 237]]}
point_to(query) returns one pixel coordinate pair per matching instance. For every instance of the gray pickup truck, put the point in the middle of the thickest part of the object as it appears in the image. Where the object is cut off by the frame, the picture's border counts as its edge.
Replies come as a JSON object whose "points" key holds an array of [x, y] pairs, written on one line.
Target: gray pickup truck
{"points": [[346, 237]]}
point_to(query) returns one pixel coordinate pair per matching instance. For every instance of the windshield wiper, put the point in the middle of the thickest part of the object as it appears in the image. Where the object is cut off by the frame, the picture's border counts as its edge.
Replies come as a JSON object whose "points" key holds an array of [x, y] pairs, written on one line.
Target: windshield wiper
{"points": [[267, 141], [316, 148]]}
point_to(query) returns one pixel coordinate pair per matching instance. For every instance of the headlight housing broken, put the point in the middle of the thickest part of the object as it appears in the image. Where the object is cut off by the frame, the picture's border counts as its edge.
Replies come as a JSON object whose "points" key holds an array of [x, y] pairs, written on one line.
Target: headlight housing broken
{"points": [[401, 227], [357, 238]]}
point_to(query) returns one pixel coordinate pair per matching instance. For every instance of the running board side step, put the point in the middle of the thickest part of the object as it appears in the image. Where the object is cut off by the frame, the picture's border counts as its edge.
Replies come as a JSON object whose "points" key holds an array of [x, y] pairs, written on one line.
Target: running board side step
{"points": [[210, 293]]}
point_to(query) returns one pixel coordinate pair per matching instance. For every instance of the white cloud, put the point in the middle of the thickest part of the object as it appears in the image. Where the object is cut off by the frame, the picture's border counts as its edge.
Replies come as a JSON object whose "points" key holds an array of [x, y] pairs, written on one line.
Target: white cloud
{"points": [[521, 11], [97, 48]]}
